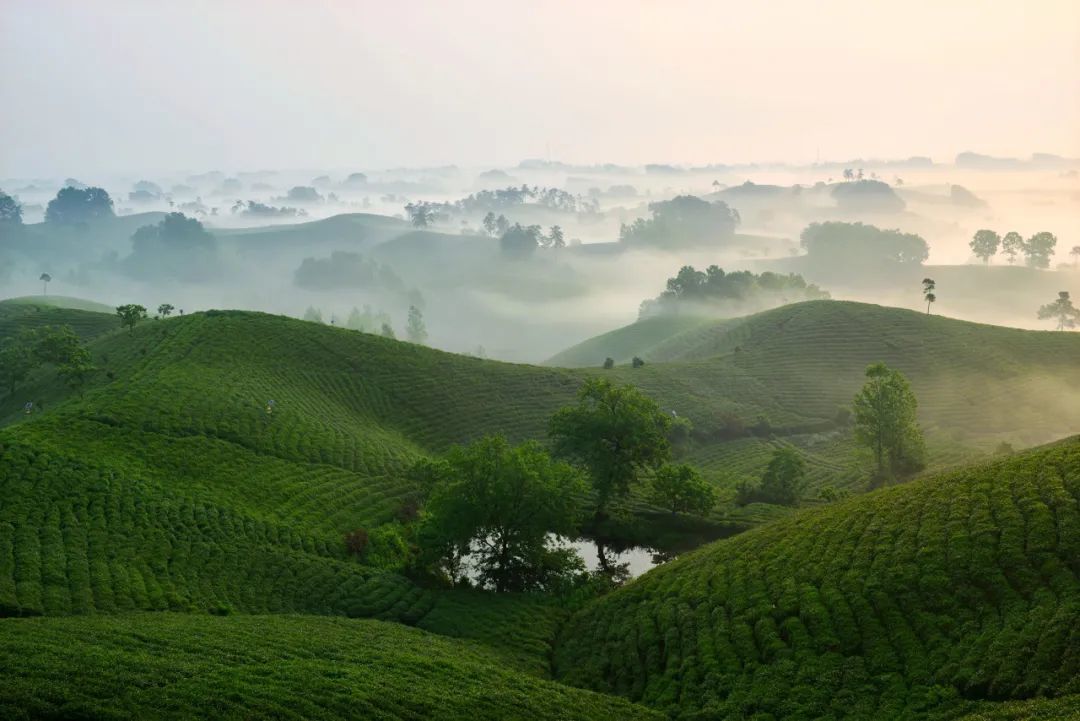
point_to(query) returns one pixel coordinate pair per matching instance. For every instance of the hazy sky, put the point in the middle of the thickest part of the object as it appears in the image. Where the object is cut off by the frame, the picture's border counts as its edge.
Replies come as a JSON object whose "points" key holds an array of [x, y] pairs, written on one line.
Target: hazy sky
{"points": [[111, 86]]}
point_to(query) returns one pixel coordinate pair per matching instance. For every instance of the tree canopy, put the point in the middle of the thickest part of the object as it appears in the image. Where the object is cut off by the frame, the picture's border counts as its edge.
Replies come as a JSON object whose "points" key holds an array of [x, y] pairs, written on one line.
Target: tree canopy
{"points": [[985, 244], [178, 247], [841, 244], [613, 432], [681, 489], [79, 205], [10, 210], [886, 423], [1062, 310], [702, 291], [1039, 248], [683, 221]]}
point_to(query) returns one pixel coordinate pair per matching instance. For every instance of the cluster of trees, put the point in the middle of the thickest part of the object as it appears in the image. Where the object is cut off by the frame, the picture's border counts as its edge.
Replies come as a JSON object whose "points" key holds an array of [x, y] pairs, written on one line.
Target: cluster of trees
{"points": [[1037, 250], [837, 244], [261, 210], [1062, 310], [369, 321], [28, 350], [10, 210], [178, 247], [499, 505], [73, 206], [702, 290], [684, 221], [424, 214], [867, 195], [523, 240], [346, 270]]}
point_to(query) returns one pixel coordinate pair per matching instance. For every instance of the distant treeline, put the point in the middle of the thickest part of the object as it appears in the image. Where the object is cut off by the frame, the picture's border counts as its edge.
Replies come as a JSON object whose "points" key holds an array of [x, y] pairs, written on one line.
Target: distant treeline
{"points": [[710, 290]]}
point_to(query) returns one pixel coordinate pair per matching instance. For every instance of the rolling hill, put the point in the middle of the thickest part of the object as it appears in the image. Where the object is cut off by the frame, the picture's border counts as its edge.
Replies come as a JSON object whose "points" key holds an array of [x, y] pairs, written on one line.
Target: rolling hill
{"points": [[178, 666], [903, 603]]}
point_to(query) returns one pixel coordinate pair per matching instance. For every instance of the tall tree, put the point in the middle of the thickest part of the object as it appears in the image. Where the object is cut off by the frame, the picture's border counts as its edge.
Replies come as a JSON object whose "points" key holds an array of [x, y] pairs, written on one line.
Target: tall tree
{"points": [[18, 359], [784, 480], [985, 244], [1062, 310], [45, 280], [165, 309], [1012, 245], [387, 331], [886, 423], [10, 210], [422, 215], [490, 225], [614, 433], [502, 503], [555, 237], [415, 329], [130, 315], [1075, 252], [928, 294], [1039, 248]]}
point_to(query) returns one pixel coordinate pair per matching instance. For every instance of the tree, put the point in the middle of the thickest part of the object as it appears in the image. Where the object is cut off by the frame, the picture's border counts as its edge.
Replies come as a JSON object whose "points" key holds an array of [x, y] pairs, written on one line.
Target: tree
{"points": [[784, 480], [682, 490], [17, 359], [519, 240], [886, 423], [45, 279], [1039, 248], [1075, 252], [636, 362], [10, 210], [130, 315], [421, 215], [928, 288], [415, 330], [985, 244], [1012, 245], [683, 221], [609, 363], [489, 223], [555, 238], [501, 502], [313, 315], [165, 310], [502, 224], [614, 433], [78, 205], [77, 368], [388, 331], [835, 244], [1062, 310]]}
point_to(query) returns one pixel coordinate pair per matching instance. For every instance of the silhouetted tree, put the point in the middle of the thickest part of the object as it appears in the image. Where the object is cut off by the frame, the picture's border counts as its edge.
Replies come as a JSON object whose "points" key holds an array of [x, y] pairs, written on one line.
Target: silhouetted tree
{"points": [[1012, 245], [985, 244], [130, 315], [609, 363], [555, 238], [45, 279], [10, 210], [490, 224], [885, 421], [1062, 310], [165, 310], [388, 331], [1039, 248], [928, 288], [75, 205], [421, 215], [1075, 252], [415, 329]]}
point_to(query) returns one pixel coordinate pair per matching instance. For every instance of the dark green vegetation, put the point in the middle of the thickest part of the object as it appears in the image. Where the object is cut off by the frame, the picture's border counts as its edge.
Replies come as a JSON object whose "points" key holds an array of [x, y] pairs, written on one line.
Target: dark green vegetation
{"points": [[696, 292], [905, 603], [150, 666]]}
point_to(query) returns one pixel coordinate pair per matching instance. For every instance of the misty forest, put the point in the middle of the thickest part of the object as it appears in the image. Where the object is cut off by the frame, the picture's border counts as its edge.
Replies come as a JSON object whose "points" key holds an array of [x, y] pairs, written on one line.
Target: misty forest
{"points": [[459, 411]]}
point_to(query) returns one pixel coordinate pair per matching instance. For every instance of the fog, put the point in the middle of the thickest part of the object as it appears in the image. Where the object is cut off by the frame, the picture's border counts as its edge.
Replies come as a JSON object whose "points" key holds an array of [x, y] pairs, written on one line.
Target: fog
{"points": [[301, 148]]}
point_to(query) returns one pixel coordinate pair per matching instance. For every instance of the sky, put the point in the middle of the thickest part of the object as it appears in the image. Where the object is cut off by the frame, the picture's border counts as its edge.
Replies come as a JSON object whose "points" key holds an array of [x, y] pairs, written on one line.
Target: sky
{"points": [[128, 86]]}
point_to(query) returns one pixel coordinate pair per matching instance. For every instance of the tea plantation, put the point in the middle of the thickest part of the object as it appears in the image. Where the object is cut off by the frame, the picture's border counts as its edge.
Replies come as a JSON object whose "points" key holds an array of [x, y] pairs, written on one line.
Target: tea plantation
{"points": [[178, 666], [904, 603]]}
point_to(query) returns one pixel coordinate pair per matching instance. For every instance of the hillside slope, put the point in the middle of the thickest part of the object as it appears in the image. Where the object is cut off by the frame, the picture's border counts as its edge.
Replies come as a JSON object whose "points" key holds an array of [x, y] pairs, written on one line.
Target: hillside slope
{"points": [[904, 602], [171, 666]]}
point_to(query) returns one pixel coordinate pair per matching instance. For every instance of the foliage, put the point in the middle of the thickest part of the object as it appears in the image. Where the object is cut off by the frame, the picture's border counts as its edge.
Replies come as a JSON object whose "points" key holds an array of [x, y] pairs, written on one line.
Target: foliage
{"points": [[130, 315], [368, 321], [904, 603], [502, 502], [313, 315], [886, 423], [609, 363], [1039, 248], [356, 541], [72, 206], [185, 666], [985, 244], [10, 210], [696, 291], [415, 330], [422, 214], [636, 362], [1012, 245], [387, 331], [855, 244], [520, 241], [28, 349], [683, 221], [177, 247], [928, 292], [783, 483], [614, 432], [261, 210], [165, 309], [681, 489], [868, 196], [343, 270], [1062, 310]]}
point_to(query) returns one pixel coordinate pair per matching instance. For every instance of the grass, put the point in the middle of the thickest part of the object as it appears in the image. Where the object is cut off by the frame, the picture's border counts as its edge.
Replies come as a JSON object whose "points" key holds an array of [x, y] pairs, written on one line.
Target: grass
{"points": [[60, 301], [31, 313], [174, 666], [904, 603]]}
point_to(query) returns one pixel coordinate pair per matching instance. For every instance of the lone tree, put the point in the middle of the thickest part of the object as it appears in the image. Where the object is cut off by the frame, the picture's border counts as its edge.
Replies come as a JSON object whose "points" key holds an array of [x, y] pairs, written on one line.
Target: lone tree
{"points": [[1012, 245], [45, 280], [555, 238], [415, 329], [784, 480], [1039, 248], [501, 503], [78, 205], [130, 315], [886, 423], [387, 331], [165, 310], [928, 288], [1075, 252], [614, 433], [1062, 310], [682, 490], [985, 244]]}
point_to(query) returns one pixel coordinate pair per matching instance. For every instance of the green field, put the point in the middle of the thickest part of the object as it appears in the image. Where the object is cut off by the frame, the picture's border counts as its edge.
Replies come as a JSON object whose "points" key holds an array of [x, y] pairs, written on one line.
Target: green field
{"points": [[904, 603], [174, 666]]}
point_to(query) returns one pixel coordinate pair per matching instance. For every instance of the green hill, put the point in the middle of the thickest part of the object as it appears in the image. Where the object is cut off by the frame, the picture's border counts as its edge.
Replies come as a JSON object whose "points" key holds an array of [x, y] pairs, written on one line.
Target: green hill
{"points": [[899, 604], [87, 320], [172, 666], [59, 301]]}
